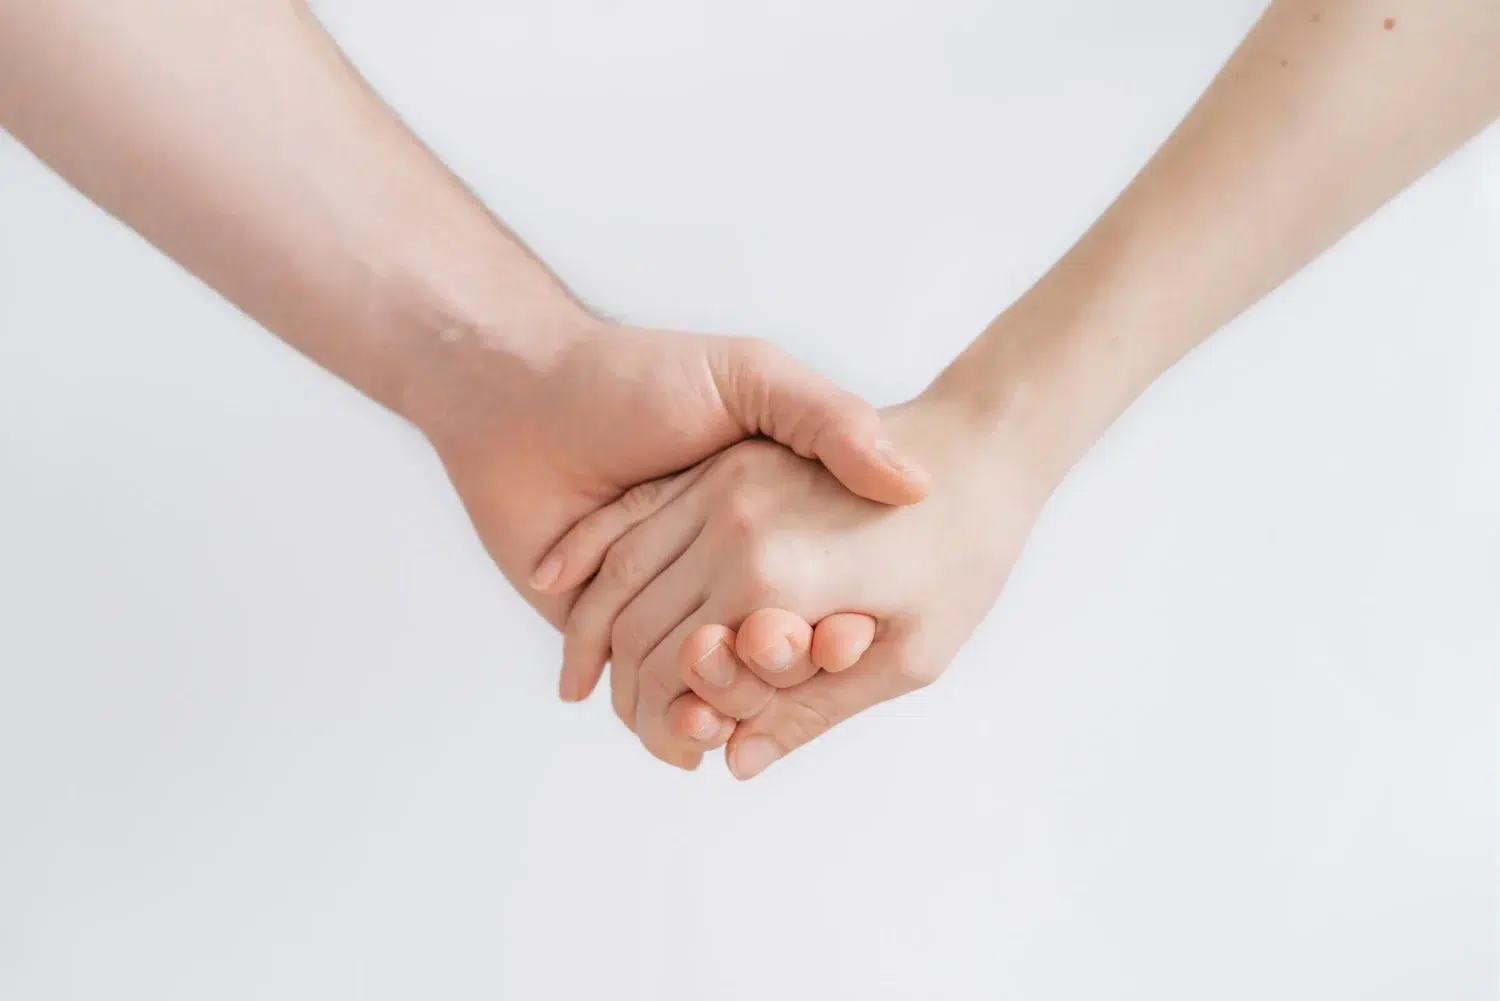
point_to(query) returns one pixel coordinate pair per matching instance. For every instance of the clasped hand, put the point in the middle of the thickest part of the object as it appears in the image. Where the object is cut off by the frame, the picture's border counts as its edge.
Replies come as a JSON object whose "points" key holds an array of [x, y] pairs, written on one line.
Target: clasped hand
{"points": [[754, 601]]}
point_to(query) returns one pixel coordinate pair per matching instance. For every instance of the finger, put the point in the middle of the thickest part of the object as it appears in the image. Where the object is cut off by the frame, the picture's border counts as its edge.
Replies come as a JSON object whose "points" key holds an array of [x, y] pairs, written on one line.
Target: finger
{"points": [[622, 694], [773, 643], [697, 724], [667, 601], [688, 761], [687, 719], [707, 664], [768, 392], [660, 683], [798, 715], [629, 567], [840, 640], [578, 554]]}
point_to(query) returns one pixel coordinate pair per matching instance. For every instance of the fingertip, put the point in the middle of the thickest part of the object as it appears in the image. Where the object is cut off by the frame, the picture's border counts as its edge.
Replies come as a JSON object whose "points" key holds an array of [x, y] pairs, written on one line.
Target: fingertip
{"points": [[568, 566], [567, 687], [688, 762], [840, 640], [753, 755], [578, 555], [545, 577], [768, 628], [694, 722], [676, 757], [898, 485], [907, 470], [699, 644], [589, 682], [877, 470], [579, 676]]}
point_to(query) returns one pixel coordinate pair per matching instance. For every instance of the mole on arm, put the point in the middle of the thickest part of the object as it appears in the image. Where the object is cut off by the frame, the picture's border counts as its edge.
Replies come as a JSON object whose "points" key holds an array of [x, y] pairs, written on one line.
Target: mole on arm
{"points": [[1390, 23]]}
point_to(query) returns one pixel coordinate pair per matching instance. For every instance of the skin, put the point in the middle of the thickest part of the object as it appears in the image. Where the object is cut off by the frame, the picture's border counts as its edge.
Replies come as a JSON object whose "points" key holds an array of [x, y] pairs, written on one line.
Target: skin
{"points": [[1324, 112], [235, 137]]}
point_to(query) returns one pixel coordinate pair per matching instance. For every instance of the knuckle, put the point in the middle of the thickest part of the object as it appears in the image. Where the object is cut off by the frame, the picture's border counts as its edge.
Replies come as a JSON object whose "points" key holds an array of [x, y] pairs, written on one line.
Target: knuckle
{"points": [[764, 577], [913, 672], [801, 723], [756, 351], [740, 515], [738, 464], [752, 700], [641, 499], [620, 567], [627, 640], [732, 467], [658, 686]]}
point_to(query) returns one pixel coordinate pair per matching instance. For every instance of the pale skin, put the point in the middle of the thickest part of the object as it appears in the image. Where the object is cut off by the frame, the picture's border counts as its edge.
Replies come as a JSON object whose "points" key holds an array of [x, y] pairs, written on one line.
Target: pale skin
{"points": [[1324, 112], [235, 137]]}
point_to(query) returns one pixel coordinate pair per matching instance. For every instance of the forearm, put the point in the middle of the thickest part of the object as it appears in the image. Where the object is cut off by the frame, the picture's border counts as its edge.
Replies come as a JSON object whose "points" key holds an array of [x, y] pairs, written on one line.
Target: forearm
{"points": [[1325, 112], [234, 137]]}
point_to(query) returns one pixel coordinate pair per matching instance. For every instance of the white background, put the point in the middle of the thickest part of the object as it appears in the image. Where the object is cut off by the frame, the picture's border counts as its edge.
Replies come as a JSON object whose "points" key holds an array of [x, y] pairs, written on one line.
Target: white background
{"points": [[271, 727]]}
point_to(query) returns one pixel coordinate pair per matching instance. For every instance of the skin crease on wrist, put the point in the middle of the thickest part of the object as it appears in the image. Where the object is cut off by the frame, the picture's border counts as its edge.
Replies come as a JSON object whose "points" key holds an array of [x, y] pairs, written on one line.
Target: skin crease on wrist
{"points": [[1241, 196]]}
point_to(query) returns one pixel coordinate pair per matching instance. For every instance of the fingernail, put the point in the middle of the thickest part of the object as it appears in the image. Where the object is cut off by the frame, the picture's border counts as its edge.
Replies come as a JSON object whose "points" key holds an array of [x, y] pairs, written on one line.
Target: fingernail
{"points": [[546, 575], [776, 657], [897, 461], [568, 688], [716, 667], [753, 756], [708, 726]]}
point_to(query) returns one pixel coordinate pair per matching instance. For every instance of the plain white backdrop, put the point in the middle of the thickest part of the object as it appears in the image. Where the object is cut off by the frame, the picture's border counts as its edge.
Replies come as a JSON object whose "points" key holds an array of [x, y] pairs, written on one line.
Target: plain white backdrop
{"points": [[272, 727]]}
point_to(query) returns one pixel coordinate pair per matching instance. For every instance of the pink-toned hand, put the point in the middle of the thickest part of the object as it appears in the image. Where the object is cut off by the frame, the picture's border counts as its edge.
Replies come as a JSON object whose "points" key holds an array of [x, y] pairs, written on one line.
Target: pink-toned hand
{"points": [[614, 409], [757, 528], [715, 663]]}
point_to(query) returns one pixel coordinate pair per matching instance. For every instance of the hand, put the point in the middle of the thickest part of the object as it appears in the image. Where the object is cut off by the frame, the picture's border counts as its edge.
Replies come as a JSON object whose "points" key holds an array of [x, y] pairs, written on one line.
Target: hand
{"points": [[713, 660], [757, 527], [612, 408]]}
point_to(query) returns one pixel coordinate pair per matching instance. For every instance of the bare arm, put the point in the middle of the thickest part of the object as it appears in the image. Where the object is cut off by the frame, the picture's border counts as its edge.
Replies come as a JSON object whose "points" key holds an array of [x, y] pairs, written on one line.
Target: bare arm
{"points": [[1325, 112], [234, 136]]}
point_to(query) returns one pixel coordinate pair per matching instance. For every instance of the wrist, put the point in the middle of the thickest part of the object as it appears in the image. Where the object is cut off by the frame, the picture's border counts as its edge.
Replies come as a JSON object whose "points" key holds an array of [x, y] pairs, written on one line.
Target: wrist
{"points": [[467, 375], [462, 367], [1053, 371], [1030, 392], [472, 330], [1019, 397], [402, 282]]}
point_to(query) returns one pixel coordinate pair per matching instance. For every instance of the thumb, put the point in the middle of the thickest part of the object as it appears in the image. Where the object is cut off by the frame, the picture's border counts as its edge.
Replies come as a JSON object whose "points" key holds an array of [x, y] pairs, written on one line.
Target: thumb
{"points": [[768, 392]]}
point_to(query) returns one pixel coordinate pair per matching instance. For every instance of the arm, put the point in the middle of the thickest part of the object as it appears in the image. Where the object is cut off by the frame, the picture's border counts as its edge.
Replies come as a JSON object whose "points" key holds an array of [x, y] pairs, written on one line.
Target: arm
{"points": [[235, 137], [1323, 113]]}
